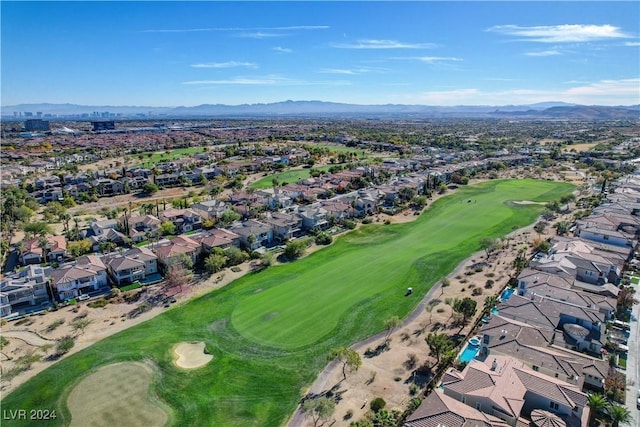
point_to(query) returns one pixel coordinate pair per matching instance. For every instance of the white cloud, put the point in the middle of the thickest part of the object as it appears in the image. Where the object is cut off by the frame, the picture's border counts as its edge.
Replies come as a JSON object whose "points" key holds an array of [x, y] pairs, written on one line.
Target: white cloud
{"points": [[381, 44], [567, 33], [433, 59], [228, 64], [269, 80], [606, 88], [259, 35], [544, 53], [352, 71], [604, 92], [632, 44], [281, 49]]}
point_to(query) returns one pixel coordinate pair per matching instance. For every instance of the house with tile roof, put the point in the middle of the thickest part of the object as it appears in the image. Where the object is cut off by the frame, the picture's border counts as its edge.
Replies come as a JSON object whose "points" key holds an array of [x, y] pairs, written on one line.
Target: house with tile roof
{"points": [[536, 348], [134, 264], [219, 238], [178, 247], [85, 275], [578, 328], [55, 250], [438, 410], [507, 389]]}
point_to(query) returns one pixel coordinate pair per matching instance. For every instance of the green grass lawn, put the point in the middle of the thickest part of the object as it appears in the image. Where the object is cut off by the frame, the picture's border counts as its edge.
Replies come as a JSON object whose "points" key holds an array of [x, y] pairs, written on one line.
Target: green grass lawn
{"points": [[270, 332], [290, 176], [162, 156]]}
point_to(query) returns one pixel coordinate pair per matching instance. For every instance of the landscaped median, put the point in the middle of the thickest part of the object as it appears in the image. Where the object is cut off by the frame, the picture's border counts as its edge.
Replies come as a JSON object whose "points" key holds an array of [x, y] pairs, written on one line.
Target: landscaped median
{"points": [[269, 333]]}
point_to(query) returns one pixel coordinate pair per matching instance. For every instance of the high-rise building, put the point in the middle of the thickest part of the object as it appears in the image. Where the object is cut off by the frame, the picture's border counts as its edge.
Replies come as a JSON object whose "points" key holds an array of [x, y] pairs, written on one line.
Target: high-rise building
{"points": [[31, 125], [103, 125]]}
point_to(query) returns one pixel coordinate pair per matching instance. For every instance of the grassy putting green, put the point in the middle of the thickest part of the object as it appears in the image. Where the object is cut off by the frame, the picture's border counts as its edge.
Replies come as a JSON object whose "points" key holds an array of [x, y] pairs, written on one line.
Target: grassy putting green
{"points": [[270, 332], [116, 395]]}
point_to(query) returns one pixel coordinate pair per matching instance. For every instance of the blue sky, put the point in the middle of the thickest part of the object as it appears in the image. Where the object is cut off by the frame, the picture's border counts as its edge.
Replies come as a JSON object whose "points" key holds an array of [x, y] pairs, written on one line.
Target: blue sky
{"points": [[430, 53]]}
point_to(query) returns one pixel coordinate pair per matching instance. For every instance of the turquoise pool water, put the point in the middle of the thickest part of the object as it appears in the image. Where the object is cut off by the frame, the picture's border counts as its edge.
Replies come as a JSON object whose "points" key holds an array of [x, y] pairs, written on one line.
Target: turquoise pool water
{"points": [[506, 294], [469, 353]]}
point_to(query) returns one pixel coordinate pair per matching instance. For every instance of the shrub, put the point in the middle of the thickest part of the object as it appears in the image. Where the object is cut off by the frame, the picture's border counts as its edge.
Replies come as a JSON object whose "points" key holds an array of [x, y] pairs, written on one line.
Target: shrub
{"points": [[324, 238], [350, 224], [489, 284], [476, 292], [367, 221], [101, 302], [348, 415], [377, 404], [414, 389]]}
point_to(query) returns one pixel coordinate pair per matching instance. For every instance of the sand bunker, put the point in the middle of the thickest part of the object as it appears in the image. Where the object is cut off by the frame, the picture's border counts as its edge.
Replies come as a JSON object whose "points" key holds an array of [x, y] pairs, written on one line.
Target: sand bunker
{"points": [[191, 355], [528, 202]]}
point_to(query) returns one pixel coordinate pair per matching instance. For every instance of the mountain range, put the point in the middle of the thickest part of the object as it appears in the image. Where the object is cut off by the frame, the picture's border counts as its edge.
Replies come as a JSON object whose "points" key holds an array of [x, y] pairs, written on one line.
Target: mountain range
{"points": [[544, 110]]}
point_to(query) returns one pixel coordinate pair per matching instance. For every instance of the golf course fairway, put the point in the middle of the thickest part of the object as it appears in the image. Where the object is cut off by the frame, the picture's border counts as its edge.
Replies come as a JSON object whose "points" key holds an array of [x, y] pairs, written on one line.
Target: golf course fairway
{"points": [[270, 332]]}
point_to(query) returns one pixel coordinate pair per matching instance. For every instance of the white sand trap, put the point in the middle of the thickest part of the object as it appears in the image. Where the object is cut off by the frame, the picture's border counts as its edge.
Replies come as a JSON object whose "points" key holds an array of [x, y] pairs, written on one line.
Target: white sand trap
{"points": [[191, 355], [528, 202]]}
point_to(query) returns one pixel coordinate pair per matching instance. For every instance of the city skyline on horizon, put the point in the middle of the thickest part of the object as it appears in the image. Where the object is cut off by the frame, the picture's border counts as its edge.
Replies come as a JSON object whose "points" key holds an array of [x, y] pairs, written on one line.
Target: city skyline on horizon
{"points": [[168, 54]]}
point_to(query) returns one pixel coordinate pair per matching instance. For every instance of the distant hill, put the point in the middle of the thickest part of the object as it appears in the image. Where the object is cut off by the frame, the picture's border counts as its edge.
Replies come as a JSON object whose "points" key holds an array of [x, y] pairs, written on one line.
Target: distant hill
{"points": [[557, 110]]}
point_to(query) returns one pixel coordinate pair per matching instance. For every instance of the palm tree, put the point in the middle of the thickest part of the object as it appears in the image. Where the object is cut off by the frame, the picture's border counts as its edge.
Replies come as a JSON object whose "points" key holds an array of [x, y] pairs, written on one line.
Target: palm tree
{"points": [[597, 403], [42, 244], [489, 303], [619, 415]]}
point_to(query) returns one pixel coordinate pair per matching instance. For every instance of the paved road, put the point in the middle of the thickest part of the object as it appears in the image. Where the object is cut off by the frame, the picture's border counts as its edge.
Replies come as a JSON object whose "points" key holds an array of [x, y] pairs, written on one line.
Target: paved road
{"points": [[633, 361]]}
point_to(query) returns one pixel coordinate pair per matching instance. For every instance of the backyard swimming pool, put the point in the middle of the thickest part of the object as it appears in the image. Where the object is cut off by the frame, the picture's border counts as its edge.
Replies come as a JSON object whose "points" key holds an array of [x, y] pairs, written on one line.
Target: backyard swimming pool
{"points": [[470, 351], [506, 294]]}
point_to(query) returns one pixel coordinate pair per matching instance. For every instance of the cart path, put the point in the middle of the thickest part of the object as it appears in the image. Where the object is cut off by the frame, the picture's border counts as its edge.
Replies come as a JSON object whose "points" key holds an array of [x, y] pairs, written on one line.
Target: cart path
{"points": [[26, 336]]}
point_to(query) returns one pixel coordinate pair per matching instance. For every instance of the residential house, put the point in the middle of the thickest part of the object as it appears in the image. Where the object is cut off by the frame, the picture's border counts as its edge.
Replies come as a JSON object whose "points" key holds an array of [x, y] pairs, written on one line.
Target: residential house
{"points": [[87, 274], [507, 389], [107, 187], [284, 226], [577, 328], [210, 208], [534, 282], [253, 234], [536, 348], [439, 410], [219, 238], [337, 210], [179, 246], [140, 227], [55, 249], [185, 220], [25, 290], [313, 217], [136, 264]]}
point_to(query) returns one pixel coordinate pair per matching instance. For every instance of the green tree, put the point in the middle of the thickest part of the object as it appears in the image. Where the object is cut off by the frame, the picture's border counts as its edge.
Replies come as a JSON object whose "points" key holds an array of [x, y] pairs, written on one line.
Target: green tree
{"points": [[37, 228], [64, 344], [229, 216], [466, 307], [168, 228], [439, 345], [150, 188], [214, 263], [619, 415], [79, 248], [597, 404], [295, 249], [489, 302], [540, 227], [235, 256], [488, 245], [562, 228], [390, 324], [320, 409], [349, 358]]}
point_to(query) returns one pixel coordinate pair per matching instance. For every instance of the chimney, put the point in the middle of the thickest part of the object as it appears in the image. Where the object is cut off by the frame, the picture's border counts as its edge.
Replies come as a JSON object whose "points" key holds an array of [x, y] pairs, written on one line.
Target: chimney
{"points": [[494, 365]]}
